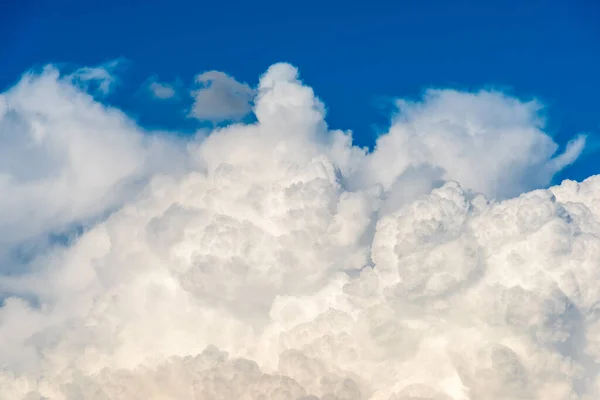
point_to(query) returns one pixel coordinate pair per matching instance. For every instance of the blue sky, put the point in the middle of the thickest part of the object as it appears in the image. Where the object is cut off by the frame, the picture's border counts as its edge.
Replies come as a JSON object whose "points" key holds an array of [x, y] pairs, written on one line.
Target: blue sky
{"points": [[355, 55]]}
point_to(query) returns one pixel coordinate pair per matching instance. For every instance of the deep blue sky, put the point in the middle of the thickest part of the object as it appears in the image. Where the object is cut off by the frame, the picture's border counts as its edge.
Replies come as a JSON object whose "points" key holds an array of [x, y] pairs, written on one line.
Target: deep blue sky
{"points": [[353, 53]]}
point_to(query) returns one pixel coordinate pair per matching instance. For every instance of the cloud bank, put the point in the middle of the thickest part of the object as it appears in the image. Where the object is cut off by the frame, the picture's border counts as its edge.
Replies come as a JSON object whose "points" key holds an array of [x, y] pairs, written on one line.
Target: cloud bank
{"points": [[275, 260]]}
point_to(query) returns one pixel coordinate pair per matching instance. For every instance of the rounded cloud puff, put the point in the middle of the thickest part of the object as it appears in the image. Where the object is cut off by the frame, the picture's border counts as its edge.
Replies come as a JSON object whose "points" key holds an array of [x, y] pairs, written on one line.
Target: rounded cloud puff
{"points": [[284, 263]]}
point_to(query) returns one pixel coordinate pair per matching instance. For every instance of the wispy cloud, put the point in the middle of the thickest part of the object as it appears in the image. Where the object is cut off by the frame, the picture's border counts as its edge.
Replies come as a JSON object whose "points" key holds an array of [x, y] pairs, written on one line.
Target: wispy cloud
{"points": [[103, 76]]}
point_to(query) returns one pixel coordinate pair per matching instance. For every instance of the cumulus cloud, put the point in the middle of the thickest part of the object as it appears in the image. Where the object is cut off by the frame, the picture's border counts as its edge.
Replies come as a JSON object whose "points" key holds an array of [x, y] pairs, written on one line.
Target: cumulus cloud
{"points": [[285, 263], [65, 158], [161, 91], [219, 97], [489, 142]]}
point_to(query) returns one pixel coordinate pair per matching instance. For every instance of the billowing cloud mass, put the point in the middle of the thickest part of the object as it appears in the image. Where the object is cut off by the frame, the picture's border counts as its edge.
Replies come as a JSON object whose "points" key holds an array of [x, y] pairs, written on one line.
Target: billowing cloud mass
{"points": [[219, 97], [285, 263]]}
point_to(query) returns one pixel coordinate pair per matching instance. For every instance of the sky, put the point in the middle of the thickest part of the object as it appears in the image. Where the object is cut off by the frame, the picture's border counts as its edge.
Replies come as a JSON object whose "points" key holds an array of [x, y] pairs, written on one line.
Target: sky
{"points": [[357, 56], [309, 202]]}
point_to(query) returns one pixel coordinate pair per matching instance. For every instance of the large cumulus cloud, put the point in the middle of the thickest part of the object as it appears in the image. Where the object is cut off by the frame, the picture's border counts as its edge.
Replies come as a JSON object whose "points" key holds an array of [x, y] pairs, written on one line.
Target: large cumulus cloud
{"points": [[285, 263]]}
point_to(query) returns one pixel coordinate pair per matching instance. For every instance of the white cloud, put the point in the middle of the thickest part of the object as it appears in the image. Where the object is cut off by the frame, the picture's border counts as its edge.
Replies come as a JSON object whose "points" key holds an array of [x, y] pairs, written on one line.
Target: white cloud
{"points": [[489, 142], [64, 158], [161, 91], [259, 273], [219, 97]]}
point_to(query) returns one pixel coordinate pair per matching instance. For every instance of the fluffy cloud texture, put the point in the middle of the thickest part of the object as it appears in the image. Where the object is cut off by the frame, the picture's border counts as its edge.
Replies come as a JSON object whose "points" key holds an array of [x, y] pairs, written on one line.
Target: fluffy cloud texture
{"points": [[65, 158], [284, 263]]}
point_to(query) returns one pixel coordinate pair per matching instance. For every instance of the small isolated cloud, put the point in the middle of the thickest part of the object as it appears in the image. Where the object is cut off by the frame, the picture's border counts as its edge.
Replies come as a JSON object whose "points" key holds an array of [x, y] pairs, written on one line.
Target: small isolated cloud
{"points": [[161, 91], [220, 98]]}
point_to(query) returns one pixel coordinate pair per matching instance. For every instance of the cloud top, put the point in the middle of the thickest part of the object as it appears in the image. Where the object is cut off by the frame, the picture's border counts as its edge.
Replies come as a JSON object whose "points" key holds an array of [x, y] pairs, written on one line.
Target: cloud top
{"points": [[489, 142]]}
